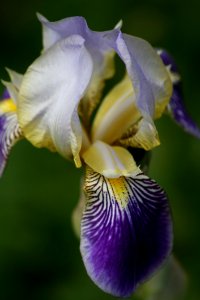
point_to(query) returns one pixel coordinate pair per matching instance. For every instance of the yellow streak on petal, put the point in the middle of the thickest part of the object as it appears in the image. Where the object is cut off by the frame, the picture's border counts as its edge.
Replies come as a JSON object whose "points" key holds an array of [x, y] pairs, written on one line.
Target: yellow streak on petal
{"points": [[160, 104], [119, 189], [7, 106], [111, 162], [145, 136], [117, 112]]}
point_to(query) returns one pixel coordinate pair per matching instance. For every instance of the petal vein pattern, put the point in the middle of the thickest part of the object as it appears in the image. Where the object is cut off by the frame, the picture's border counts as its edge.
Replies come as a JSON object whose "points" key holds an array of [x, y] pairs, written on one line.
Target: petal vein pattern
{"points": [[50, 94], [126, 231], [10, 131]]}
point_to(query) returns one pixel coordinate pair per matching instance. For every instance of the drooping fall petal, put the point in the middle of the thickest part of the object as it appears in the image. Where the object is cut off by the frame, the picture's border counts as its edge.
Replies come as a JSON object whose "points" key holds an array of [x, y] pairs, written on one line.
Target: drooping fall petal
{"points": [[126, 231]]}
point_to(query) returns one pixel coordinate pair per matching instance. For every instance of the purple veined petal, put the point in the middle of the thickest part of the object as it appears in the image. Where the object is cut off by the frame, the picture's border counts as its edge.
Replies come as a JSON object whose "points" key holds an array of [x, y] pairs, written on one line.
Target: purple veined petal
{"points": [[126, 231], [176, 106], [10, 132]]}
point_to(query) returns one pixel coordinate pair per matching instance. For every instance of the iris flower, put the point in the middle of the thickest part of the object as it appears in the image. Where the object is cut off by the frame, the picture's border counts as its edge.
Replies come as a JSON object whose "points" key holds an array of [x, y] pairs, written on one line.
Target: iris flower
{"points": [[125, 222]]}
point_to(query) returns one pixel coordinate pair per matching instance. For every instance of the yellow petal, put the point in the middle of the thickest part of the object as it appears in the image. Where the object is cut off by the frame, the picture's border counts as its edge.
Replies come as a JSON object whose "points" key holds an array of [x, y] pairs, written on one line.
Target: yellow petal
{"points": [[117, 112], [111, 162], [145, 136], [7, 106]]}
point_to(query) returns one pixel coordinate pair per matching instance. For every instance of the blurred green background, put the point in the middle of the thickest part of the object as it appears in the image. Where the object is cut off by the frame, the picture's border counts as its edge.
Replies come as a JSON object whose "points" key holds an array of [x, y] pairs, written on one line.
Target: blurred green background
{"points": [[39, 253]]}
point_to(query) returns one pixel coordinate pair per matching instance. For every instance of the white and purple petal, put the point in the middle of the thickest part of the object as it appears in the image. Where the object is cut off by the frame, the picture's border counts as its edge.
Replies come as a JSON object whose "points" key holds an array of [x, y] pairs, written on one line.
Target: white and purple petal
{"points": [[10, 131], [126, 231], [149, 77], [176, 106], [97, 45]]}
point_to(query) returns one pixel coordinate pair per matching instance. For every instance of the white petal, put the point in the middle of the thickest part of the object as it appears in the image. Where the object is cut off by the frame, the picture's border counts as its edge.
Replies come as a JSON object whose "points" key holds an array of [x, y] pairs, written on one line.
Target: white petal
{"points": [[50, 92], [49, 36], [16, 78], [13, 92]]}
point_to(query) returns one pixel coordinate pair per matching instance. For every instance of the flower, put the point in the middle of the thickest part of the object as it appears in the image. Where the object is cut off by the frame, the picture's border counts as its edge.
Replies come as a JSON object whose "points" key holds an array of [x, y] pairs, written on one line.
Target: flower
{"points": [[126, 227]]}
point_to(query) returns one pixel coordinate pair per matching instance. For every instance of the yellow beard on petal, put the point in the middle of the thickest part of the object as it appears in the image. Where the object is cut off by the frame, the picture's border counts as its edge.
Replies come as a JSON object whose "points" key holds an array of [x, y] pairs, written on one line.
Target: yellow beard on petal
{"points": [[119, 189], [7, 106]]}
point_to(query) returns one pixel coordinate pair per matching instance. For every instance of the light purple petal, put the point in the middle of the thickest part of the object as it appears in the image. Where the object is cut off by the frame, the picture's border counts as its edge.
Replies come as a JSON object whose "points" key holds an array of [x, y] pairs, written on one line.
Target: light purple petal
{"points": [[95, 41], [98, 46], [126, 231], [176, 107], [150, 79]]}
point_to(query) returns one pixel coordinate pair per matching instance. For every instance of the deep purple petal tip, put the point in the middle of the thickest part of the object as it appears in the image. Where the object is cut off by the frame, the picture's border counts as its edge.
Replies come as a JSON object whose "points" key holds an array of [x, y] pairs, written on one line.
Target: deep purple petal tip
{"points": [[168, 60], [176, 105], [179, 113], [5, 95]]}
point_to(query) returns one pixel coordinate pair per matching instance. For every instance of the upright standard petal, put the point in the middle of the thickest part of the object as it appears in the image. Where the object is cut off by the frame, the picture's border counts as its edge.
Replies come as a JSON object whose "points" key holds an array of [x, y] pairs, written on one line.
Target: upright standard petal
{"points": [[95, 42], [126, 231], [10, 131], [13, 87], [176, 106], [151, 81], [49, 96]]}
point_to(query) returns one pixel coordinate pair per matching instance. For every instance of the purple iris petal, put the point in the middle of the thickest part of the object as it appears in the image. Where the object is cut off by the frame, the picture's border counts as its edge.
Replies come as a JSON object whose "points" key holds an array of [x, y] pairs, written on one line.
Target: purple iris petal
{"points": [[9, 134], [168, 60], [126, 231], [96, 42], [179, 113], [176, 106], [5, 95]]}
